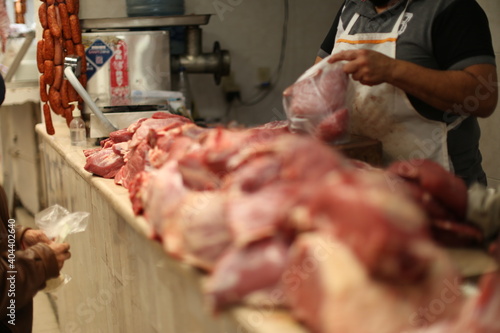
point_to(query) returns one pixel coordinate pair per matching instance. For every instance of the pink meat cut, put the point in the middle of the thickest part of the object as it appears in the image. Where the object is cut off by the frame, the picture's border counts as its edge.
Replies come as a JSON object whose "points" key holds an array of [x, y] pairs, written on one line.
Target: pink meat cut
{"points": [[330, 290], [242, 271], [104, 162], [335, 127], [136, 161], [198, 233], [379, 225], [166, 122], [262, 214]]}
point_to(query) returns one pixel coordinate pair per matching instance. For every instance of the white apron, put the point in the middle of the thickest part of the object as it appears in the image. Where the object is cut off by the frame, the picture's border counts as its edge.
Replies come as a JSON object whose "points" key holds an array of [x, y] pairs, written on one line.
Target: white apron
{"points": [[384, 112]]}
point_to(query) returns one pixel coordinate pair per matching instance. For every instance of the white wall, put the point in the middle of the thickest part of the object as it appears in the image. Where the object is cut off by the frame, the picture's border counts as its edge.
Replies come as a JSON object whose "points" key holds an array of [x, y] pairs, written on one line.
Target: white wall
{"points": [[252, 31], [490, 146]]}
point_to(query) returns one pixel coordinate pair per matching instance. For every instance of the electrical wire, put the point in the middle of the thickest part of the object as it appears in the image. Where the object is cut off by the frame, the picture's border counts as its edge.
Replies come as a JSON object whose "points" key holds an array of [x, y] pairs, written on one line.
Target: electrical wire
{"points": [[259, 97]]}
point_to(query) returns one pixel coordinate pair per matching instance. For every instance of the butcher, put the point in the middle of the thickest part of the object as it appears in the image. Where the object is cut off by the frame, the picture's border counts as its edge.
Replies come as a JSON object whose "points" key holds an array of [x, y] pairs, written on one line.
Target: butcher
{"points": [[422, 72]]}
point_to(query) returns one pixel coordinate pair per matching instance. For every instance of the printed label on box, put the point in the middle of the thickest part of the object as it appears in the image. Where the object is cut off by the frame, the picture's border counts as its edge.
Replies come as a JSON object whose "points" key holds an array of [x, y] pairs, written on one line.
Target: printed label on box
{"points": [[98, 55]]}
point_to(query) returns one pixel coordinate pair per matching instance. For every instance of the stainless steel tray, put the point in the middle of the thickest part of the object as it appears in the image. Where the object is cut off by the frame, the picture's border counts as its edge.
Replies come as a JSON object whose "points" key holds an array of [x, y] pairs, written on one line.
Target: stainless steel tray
{"points": [[144, 22]]}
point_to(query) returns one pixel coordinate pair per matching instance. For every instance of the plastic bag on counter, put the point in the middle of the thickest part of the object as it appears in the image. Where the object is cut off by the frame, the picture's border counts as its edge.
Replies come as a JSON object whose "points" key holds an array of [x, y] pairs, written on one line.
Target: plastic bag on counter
{"points": [[57, 223], [316, 103]]}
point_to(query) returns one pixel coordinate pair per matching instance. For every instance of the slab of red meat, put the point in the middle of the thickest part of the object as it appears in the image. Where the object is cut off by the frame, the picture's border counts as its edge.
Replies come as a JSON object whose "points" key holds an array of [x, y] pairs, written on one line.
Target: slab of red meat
{"points": [[133, 144], [301, 158], [196, 175], [330, 290], [169, 121], [120, 148], [447, 189], [261, 214], [307, 159], [134, 126], [197, 233], [136, 161], [242, 271], [137, 188], [379, 225], [163, 194], [104, 162], [172, 144], [226, 150], [252, 176], [219, 145], [122, 135], [443, 196]]}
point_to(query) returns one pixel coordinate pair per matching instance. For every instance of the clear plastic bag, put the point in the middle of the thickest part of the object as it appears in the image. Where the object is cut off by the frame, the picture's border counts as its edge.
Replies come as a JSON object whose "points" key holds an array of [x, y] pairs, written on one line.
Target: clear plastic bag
{"points": [[57, 223], [316, 103]]}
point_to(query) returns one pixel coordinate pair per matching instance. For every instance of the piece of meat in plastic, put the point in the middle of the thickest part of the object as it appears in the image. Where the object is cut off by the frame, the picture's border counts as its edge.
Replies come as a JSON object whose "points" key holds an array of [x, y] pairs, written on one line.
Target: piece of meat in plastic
{"points": [[335, 127], [318, 95], [312, 103]]}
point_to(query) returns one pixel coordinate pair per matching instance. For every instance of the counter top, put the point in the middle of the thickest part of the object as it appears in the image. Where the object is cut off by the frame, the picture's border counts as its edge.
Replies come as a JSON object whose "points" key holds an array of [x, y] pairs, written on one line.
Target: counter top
{"points": [[22, 92], [249, 319]]}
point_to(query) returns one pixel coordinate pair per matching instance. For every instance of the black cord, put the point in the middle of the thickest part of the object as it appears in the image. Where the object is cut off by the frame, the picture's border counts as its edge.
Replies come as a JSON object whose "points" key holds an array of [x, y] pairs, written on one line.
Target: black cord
{"points": [[259, 97]]}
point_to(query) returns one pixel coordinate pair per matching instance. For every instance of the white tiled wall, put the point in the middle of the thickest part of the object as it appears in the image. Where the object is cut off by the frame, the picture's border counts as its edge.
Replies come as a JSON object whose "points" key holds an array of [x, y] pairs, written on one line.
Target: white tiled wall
{"points": [[490, 127]]}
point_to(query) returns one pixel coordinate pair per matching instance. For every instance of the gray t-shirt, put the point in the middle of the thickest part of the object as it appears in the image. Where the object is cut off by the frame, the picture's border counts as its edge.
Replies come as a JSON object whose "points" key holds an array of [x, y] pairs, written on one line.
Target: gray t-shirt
{"points": [[436, 34]]}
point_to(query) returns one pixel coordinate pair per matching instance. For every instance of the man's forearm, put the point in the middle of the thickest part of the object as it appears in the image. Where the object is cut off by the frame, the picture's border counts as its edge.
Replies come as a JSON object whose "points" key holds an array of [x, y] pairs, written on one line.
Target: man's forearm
{"points": [[473, 90]]}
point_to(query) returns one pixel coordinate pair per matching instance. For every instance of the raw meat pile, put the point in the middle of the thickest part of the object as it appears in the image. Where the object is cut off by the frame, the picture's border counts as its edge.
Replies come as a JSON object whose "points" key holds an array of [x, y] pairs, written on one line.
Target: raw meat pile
{"points": [[345, 247]]}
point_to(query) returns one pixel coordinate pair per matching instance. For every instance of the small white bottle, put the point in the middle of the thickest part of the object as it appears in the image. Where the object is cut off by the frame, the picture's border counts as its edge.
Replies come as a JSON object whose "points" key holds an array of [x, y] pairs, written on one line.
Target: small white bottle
{"points": [[77, 128]]}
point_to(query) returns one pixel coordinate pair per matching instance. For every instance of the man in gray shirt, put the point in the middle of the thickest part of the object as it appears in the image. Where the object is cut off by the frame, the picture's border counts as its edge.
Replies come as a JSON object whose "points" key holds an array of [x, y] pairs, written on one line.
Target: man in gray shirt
{"points": [[422, 72]]}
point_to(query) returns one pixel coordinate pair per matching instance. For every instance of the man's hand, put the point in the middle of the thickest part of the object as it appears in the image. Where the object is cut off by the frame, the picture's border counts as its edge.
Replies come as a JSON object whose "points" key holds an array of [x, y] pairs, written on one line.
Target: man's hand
{"points": [[32, 237], [366, 66], [61, 250], [446, 90]]}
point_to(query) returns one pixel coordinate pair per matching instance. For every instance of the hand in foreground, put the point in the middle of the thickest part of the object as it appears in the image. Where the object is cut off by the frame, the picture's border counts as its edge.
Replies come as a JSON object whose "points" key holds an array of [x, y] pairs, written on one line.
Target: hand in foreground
{"points": [[32, 237], [61, 250], [366, 66]]}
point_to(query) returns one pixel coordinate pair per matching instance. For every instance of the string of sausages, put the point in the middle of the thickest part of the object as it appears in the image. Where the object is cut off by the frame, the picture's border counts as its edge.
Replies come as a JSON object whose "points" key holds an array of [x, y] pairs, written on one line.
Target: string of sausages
{"points": [[62, 36]]}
